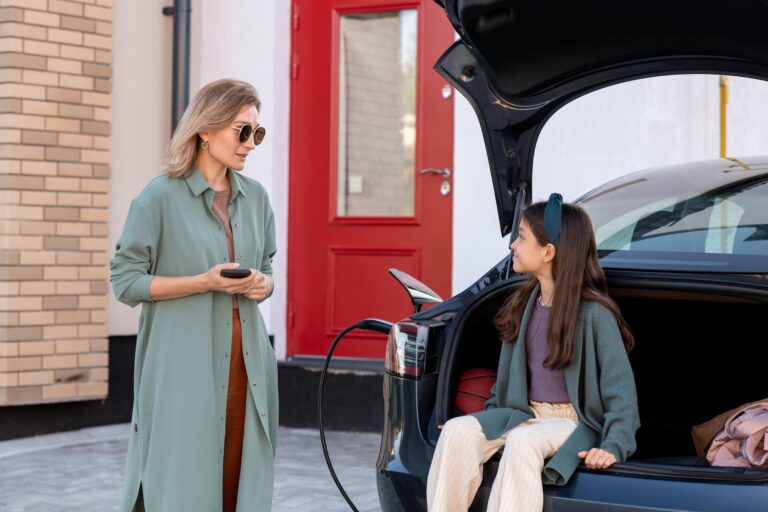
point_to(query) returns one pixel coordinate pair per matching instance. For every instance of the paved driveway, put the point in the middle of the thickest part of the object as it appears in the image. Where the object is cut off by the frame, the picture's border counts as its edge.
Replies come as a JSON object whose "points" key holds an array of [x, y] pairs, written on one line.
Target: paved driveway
{"points": [[82, 471]]}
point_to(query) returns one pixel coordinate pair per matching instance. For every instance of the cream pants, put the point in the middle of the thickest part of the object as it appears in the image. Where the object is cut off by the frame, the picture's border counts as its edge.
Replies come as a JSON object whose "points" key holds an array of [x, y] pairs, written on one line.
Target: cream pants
{"points": [[457, 466]]}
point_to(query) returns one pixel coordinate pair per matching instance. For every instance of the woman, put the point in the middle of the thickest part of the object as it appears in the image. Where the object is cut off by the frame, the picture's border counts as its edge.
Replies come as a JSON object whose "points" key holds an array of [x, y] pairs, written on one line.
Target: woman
{"points": [[204, 421], [565, 389]]}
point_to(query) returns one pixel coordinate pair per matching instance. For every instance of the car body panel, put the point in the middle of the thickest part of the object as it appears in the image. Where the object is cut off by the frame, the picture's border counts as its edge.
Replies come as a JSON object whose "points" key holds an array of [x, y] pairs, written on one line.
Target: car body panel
{"points": [[413, 408], [517, 63]]}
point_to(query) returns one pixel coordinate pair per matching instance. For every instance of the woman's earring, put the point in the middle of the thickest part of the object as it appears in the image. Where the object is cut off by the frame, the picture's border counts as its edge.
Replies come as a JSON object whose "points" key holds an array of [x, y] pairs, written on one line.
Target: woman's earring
{"points": [[204, 144]]}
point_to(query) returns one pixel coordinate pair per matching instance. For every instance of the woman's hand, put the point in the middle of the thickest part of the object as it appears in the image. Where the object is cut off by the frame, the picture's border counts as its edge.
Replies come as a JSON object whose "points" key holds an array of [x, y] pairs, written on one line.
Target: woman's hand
{"points": [[597, 458], [229, 285], [261, 286]]}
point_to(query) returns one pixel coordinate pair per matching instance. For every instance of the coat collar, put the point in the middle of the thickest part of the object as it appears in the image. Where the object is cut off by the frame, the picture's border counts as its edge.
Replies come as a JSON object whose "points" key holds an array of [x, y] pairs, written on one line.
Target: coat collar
{"points": [[198, 184], [517, 376], [527, 312], [529, 307]]}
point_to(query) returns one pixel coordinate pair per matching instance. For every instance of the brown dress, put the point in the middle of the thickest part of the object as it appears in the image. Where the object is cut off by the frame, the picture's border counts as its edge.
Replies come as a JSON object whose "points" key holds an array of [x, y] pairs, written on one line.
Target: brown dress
{"points": [[238, 380]]}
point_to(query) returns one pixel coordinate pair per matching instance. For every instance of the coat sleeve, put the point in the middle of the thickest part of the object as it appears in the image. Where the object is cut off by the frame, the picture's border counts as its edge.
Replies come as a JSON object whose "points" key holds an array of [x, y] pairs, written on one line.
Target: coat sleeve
{"points": [[502, 375], [491, 403], [129, 269], [270, 246], [617, 389]]}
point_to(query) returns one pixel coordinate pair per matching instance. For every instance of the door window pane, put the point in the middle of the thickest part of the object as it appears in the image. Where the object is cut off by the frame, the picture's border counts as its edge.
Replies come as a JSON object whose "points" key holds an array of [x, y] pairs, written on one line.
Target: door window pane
{"points": [[377, 114]]}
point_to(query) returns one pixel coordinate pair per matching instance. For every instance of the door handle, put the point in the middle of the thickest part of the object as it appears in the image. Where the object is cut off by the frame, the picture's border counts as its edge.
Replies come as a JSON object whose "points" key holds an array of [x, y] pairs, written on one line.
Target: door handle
{"points": [[445, 173]]}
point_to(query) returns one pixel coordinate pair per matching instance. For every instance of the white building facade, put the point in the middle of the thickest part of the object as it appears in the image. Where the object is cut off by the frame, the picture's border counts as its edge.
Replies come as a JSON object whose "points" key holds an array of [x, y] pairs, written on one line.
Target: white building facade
{"points": [[604, 135]]}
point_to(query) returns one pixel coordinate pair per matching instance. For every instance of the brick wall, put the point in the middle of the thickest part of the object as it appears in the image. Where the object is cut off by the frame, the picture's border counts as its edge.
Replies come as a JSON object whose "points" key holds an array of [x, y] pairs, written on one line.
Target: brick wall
{"points": [[55, 83]]}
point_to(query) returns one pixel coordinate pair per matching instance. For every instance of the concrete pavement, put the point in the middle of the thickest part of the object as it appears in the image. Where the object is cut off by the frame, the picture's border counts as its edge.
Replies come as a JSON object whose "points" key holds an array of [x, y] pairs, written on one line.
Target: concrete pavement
{"points": [[83, 471]]}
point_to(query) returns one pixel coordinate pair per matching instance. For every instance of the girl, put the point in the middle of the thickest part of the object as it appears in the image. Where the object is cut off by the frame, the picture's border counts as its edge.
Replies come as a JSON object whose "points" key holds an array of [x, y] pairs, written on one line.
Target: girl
{"points": [[204, 420], [565, 389]]}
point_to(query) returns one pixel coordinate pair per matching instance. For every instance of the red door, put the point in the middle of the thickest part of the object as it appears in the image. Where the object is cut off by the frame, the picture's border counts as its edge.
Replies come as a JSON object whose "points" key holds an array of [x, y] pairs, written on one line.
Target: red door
{"points": [[370, 159]]}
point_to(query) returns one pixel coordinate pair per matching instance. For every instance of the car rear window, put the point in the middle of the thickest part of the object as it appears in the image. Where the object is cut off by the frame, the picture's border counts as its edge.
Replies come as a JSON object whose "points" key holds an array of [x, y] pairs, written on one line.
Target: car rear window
{"points": [[661, 224]]}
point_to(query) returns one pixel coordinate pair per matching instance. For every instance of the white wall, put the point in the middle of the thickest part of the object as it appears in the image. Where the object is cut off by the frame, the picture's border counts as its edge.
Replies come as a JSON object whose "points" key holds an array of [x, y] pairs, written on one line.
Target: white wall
{"points": [[603, 135], [251, 41], [141, 119], [747, 132], [598, 137], [230, 39], [624, 128]]}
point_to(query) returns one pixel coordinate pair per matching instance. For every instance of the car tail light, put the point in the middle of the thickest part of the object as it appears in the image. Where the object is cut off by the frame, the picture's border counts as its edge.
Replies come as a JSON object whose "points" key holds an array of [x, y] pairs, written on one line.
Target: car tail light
{"points": [[406, 350]]}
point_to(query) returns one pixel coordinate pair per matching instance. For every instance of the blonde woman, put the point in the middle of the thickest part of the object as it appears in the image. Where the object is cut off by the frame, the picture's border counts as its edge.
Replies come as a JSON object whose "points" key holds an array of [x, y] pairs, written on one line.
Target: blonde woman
{"points": [[204, 420]]}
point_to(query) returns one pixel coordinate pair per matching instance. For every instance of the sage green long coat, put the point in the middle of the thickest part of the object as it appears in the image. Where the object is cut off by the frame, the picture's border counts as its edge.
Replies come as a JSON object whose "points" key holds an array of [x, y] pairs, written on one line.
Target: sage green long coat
{"points": [[175, 449]]}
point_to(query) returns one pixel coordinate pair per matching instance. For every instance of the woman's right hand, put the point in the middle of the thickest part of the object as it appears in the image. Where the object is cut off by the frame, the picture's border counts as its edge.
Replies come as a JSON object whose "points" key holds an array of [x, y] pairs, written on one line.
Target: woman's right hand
{"points": [[229, 285]]}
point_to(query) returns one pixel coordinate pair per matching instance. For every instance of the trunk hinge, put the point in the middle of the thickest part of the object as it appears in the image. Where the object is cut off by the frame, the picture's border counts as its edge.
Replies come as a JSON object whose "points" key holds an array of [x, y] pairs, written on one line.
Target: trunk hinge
{"points": [[519, 204], [516, 187], [294, 53], [512, 154]]}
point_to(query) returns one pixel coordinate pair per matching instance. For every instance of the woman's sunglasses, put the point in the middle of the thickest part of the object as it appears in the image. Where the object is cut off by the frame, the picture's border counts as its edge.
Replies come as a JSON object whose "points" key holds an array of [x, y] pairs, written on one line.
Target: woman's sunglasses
{"points": [[245, 131]]}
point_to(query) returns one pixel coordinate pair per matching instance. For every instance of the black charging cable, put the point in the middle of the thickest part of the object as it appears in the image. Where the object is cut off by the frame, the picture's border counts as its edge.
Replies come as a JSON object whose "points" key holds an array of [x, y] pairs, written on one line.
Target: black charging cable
{"points": [[369, 324]]}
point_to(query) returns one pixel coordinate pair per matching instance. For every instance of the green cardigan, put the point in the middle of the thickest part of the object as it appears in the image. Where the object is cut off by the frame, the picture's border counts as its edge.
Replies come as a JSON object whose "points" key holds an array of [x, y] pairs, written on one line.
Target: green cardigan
{"points": [[600, 384]]}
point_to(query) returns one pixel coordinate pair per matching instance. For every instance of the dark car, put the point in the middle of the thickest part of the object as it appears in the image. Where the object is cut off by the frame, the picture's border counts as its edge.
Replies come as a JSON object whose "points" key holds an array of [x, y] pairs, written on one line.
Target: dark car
{"points": [[684, 249]]}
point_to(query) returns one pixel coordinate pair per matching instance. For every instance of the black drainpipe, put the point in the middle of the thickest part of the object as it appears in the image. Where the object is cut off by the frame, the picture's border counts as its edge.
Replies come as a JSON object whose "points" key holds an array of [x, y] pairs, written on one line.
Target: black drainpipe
{"points": [[181, 29]]}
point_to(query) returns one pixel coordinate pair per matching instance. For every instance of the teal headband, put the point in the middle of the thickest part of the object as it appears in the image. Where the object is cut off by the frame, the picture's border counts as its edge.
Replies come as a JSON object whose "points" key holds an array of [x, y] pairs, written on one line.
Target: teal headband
{"points": [[552, 217]]}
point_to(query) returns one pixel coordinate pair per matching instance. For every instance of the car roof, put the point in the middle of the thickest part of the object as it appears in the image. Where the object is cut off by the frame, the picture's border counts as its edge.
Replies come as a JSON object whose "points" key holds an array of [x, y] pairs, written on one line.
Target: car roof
{"points": [[696, 178]]}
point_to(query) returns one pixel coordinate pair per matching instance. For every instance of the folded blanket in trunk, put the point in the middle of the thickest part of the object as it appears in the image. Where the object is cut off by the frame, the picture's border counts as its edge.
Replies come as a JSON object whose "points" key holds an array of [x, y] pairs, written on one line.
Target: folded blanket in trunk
{"points": [[743, 440], [704, 433]]}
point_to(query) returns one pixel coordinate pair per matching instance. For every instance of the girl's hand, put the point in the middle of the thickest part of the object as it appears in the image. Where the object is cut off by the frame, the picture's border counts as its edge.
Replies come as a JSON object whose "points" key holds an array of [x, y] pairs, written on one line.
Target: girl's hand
{"points": [[229, 285], [597, 458], [260, 286]]}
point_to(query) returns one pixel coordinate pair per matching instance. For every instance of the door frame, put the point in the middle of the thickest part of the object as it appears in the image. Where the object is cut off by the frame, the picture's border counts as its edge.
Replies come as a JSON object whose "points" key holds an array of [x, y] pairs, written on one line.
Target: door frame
{"points": [[293, 234]]}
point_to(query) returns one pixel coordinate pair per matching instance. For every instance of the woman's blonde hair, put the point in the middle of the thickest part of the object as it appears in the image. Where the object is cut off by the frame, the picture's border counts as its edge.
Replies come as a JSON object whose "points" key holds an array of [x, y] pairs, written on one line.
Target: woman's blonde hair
{"points": [[214, 107]]}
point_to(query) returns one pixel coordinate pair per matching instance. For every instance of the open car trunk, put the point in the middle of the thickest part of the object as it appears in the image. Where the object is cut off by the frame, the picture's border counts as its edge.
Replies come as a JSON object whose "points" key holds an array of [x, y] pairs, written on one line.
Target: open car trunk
{"points": [[697, 355]]}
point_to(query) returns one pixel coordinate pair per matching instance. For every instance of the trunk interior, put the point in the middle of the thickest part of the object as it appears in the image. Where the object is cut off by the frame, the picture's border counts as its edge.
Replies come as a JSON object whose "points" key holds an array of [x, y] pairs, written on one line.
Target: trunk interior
{"points": [[696, 355]]}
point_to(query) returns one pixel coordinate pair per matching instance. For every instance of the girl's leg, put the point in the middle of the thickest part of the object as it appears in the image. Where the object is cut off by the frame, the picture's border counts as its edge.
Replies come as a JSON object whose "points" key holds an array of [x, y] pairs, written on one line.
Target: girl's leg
{"points": [[457, 465], [518, 486]]}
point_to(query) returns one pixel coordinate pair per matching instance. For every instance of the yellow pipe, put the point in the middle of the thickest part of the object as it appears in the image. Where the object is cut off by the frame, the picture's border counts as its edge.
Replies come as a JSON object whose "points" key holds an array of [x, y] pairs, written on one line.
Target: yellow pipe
{"points": [[723, 113], [723, 152]]}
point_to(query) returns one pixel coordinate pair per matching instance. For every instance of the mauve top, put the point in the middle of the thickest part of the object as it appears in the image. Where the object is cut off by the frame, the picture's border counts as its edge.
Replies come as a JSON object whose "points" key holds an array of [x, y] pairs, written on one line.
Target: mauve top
{"points": [[219, 207], [545, 384]]}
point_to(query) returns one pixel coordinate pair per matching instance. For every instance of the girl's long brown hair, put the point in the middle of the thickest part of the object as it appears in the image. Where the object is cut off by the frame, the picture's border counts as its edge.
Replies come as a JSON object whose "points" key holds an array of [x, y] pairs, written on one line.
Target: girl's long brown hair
{"points": [[578, 277]]}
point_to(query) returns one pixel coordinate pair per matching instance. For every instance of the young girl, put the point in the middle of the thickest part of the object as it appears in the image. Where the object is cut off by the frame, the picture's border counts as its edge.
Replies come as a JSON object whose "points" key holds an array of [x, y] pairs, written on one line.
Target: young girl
{"points": [[565, 389]]}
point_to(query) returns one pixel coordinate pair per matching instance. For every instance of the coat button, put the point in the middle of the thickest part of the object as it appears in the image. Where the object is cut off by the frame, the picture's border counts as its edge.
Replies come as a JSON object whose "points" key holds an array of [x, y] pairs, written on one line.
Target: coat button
{"points": [[247, 353], [254, 383], [263, 414], [135, 427]]}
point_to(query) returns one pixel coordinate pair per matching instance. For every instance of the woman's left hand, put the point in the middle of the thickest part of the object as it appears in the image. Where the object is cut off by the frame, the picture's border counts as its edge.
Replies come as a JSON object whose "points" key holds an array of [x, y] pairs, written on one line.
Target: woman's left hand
{"points": [[261, 285], [597, 458]]}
